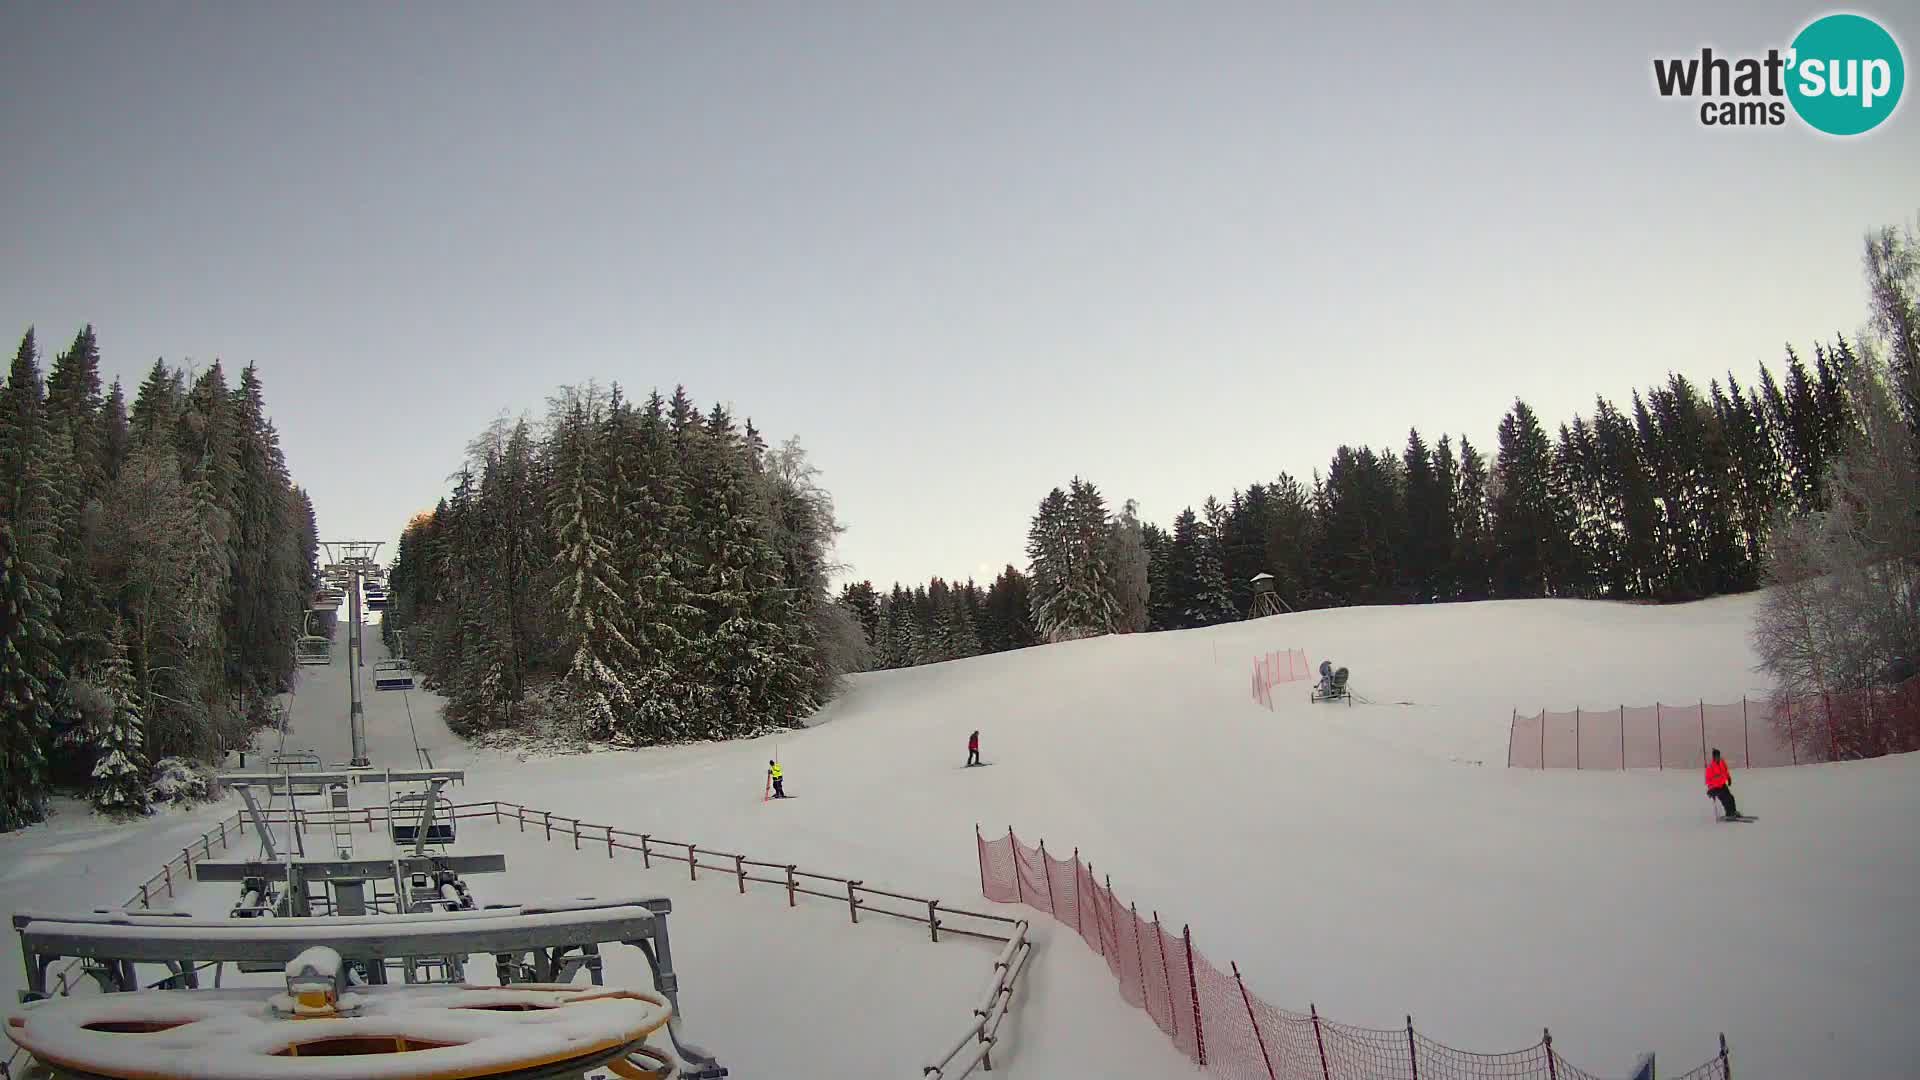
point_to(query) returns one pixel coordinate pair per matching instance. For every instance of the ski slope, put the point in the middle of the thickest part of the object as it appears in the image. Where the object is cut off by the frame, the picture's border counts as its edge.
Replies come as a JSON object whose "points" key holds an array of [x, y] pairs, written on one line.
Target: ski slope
{"points": [[1377, 860]]}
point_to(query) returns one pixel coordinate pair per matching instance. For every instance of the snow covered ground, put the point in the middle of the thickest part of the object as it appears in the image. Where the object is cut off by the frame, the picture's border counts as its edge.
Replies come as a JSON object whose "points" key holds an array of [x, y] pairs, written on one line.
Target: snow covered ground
{"points": [[1377, 860]]}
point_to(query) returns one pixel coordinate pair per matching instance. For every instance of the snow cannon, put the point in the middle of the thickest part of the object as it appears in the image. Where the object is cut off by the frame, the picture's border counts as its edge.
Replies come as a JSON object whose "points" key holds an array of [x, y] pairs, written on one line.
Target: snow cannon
{"points": [[1332, 685]]}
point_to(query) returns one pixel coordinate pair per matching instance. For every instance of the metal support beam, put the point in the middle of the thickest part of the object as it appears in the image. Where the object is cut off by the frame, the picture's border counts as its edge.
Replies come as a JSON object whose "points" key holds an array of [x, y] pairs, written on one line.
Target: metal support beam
{"points": [[259, 822], [347, 869], [359, 554]]}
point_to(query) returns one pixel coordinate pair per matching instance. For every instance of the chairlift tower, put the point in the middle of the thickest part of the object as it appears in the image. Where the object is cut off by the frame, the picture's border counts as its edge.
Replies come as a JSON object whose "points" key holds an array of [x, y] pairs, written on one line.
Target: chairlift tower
{"points": [[1265, 600], [356, 556]]}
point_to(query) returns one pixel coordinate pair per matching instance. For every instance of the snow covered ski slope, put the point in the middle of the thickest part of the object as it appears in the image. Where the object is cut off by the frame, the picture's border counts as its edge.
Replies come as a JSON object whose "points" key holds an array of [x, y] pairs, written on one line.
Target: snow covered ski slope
{"points": [[1377, 860]]}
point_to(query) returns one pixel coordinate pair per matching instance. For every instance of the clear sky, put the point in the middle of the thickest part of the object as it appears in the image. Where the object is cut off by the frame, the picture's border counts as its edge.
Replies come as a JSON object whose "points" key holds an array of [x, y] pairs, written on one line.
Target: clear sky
{"points": [[963, 251]]}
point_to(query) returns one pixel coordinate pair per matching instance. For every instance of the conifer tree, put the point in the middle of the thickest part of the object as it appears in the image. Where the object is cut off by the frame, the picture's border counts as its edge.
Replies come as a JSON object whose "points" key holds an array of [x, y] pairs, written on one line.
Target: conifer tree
{"points": [[1428, 531], [1446, 481], [1473, 536], [1530, 522], [119, 784], [589, 593], [1213, 596], [1292, 541], [1127, 557], [1050, 566], [23, 705]]}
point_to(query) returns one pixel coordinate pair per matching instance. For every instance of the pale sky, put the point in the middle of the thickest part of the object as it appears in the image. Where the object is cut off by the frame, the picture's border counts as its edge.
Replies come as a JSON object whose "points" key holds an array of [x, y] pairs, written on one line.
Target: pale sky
{"points": [[963, 251]]}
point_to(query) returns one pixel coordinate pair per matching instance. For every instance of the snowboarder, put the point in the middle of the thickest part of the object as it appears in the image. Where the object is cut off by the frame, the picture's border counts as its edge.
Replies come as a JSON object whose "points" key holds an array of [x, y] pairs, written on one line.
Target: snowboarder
{"points": [[1720, 784], [774, 775], [973, 749]]}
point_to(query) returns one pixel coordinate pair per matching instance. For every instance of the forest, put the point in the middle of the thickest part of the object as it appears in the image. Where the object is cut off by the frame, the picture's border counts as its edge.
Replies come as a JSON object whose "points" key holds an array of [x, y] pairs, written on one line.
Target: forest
{"points": [[1679, 495], [639, 572], [155, 562]]}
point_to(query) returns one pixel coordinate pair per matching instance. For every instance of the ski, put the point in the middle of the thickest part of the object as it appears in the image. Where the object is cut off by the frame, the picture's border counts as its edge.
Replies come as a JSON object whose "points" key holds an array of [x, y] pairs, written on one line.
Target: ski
{"points": [[1742, 817]]}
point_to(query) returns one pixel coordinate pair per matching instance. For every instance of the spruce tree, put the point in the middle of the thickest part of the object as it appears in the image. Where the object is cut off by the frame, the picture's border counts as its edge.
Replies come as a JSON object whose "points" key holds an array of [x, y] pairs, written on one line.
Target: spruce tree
{"points": [[116, 432], [119, 784], [1293, 538], [1159, 547], [1530, 522], [1049, 566], [1362, 525], [1090, 604], [1428, 532], [1213, 596], [23, 704], [589, 594], [1473, 552], [1446, 481], [1127, 557]]}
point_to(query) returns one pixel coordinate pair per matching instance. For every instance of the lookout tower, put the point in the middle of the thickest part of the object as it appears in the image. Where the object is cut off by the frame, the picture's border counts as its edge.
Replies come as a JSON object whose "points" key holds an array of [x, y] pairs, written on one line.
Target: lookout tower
{"points": [[1265, 600]]}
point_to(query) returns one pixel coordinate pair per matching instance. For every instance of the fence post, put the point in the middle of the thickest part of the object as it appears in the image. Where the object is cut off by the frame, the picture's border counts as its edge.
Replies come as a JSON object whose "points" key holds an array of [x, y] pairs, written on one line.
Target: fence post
{"points": [[1513, 723], [186, 858], [1413, 1055], [223, 836], [1140, 959], [609, 841], [1166, 973], [1576, 736], [980, 849], [576, 834], [519, 814], [646, 857], [693, 863], [145, 902], [1325, 1073], [1726, 1063], [168, 870], [1047, 871], [496, 811], [1746, 735], [740, 868], [791, 885], [933, 919], [1193, 992], [1079, 907], [1553, 1067], [1623, 738], [853, 902], [1255, 1021], [548, 815], [1543, 738], [1013, 848]]}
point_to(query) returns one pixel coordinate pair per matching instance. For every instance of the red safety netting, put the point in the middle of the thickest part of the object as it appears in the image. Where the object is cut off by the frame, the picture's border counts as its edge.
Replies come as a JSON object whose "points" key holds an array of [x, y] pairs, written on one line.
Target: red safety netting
{"points": [[1213, 1018], [1750, 734], [1275, 668]]}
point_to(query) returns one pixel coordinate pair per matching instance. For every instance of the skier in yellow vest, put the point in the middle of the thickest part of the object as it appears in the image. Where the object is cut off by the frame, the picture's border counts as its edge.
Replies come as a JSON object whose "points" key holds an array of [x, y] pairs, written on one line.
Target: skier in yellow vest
{"points": [[774, 774]]}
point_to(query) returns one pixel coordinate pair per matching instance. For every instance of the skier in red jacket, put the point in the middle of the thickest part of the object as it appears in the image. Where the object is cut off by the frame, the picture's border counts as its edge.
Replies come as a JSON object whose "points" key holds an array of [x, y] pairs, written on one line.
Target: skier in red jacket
{"points": [[973, 749], [1720, 784]]}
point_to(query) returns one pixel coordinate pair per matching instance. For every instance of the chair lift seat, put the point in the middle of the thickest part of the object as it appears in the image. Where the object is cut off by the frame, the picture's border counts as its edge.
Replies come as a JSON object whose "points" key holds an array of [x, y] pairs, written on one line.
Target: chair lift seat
{"points": [[392, 675]]}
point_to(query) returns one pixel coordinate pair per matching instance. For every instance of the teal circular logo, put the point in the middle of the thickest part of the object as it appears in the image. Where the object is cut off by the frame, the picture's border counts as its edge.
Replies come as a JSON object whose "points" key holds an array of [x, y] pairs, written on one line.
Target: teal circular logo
{"points": [[1845, 74]]}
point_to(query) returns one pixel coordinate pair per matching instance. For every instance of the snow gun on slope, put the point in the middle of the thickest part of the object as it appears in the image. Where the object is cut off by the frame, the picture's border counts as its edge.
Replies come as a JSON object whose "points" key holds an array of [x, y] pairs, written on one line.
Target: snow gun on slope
{"points": [[1332, 685]]}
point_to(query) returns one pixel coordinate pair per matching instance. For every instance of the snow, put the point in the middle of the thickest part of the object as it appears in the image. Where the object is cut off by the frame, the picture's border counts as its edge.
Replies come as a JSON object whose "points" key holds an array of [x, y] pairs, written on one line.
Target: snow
{"points": [[318, 962], [1375, 860]]}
